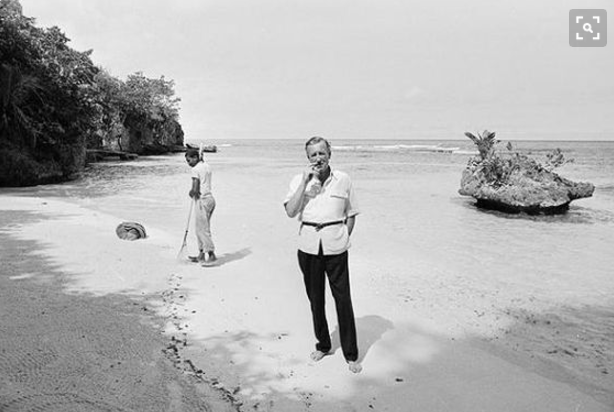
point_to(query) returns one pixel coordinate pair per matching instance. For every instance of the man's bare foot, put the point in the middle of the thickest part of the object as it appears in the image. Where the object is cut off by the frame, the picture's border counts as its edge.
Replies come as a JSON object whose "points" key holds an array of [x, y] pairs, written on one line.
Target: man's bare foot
{"points": [[317, 355], [354, 366]]}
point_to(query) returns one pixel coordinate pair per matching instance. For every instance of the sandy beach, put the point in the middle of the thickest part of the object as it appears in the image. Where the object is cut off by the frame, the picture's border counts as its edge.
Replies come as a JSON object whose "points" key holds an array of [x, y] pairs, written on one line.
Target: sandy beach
{"points": [[460, 303], [237, 336], [64, 351]]}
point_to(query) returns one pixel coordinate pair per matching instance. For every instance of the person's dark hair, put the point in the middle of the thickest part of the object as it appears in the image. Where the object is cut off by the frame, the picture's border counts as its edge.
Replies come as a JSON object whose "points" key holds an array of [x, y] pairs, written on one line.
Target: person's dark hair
{"points": [[316, 140], [191, 152]]}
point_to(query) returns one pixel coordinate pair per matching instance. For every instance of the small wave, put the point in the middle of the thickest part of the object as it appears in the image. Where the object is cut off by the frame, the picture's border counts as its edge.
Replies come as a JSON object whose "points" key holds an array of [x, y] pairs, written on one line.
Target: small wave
{"points": [[350, 148], [607, 189], [466, 152], [397, 148]]}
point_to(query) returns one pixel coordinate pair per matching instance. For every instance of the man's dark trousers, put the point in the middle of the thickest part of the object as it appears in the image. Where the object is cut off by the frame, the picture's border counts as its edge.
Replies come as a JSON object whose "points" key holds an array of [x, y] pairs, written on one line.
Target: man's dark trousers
{"points": [[315, 268]]}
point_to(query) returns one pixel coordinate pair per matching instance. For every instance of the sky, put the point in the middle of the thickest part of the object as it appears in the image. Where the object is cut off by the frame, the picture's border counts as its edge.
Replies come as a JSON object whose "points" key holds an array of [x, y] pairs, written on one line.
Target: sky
{"points": [[368, 69]]}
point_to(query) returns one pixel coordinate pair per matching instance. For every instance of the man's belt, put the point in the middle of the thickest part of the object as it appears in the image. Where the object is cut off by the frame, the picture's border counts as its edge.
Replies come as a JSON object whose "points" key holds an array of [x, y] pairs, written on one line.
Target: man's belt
{"points": [[320, 226]]}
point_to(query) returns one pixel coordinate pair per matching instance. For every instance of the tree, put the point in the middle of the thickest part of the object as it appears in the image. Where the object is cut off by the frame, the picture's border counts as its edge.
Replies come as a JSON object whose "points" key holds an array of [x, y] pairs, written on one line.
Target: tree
{"points": [[147, 98], [49, 124], [485, 142], [108, 99], [17, 95], [80, 104]]}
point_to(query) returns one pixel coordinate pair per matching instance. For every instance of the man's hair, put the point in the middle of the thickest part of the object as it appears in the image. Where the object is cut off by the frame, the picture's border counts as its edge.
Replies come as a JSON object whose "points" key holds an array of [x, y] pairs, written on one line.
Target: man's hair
{"points": [[191, 152], [316, 140]]}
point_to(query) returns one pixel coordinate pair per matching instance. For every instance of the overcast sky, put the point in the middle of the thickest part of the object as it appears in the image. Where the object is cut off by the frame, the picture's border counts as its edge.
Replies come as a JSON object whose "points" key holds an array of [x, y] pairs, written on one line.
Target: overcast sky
{"points": [[355, 68]]}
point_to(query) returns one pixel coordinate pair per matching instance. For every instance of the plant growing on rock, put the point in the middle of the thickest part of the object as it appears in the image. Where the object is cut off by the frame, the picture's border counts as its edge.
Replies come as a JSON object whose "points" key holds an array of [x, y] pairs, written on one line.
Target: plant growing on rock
{"points": [[555, 159], [485, 142], [497, 167], [513, 182]]}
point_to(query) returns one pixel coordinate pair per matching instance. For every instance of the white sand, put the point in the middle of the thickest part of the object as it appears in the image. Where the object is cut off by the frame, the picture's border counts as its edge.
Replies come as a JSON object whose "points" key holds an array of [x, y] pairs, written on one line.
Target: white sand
{"points": [[247, 322]]}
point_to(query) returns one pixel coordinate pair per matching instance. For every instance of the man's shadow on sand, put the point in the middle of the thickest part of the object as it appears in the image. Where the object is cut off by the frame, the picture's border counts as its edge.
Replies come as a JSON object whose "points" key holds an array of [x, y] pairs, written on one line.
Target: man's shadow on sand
{"points": [[369, 330]]}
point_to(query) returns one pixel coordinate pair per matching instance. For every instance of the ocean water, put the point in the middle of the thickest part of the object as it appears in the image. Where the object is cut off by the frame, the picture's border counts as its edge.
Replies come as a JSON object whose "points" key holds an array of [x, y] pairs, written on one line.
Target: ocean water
{"points": [[413, 222]]}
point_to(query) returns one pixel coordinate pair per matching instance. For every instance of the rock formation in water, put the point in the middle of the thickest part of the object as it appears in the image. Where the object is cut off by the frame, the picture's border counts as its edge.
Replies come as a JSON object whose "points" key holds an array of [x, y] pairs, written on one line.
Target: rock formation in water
{"points": [[147, 137], [513, 182]]}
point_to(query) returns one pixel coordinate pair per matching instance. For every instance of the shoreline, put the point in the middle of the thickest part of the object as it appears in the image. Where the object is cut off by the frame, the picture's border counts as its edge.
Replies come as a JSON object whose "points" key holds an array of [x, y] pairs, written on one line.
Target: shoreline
{"points": [[230, 337]]}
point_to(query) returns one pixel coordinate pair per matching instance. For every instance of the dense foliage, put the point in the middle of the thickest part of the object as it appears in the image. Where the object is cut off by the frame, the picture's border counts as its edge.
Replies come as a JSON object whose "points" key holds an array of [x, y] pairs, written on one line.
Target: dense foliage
{"points": [[498, 166], [55, 102], [137, 102]]}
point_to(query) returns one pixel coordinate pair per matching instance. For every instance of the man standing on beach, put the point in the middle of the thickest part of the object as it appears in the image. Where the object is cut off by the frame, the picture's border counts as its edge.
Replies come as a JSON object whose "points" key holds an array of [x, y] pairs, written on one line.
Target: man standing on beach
{"points": [[325, 203], [205, 205]]}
